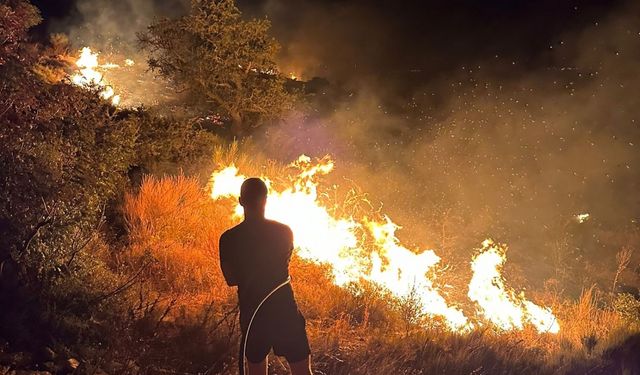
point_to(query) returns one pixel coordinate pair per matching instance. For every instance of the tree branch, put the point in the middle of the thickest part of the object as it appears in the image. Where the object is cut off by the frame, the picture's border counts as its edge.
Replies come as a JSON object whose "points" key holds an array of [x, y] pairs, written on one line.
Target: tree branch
{"points": [[35, 232], [122, 287]]}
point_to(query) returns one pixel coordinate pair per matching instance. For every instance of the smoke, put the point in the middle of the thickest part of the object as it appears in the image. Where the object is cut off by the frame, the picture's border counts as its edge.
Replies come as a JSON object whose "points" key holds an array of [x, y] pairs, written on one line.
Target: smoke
{"points": [[511, 145], [110, 28], [112, 25]]}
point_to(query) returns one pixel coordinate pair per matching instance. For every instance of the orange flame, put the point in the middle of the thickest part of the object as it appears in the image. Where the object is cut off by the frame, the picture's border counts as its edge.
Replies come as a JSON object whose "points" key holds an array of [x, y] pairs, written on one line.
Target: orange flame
{"points": [[338, 241], [500, 305]]}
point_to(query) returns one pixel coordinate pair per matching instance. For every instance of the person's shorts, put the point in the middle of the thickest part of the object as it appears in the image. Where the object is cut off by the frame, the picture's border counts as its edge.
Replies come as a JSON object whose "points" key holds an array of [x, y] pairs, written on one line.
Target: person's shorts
{"points": [[281, 328]]}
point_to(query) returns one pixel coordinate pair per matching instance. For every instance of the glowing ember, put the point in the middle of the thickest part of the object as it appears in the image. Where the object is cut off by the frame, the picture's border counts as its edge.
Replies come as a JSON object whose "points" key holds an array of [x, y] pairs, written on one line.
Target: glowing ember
{"points": [[88, 76], [339, 242], [581, 218], [498, 304]]}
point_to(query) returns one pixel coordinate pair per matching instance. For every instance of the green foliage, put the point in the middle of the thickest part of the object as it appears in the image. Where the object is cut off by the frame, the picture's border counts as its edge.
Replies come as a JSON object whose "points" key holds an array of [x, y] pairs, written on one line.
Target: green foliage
{"points": [[64, 157], [164, 145], [16, 18], [224, 62]]}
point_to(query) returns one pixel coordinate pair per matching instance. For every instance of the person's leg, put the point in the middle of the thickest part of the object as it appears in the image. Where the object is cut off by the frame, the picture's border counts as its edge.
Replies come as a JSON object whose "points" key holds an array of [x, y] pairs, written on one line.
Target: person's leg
{"points": [[258, 347], [257, 368], [301, 367]]}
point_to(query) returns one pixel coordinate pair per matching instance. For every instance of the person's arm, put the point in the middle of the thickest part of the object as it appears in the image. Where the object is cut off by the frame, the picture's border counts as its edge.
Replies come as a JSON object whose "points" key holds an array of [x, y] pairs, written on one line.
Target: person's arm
{"points": [[227, 261]]}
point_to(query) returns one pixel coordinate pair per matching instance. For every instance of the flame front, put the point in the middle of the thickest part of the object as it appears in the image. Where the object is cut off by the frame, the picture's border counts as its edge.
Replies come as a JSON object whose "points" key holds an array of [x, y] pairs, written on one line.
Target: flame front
{"points": [[88, 76], [339, 242], [498, 304]]}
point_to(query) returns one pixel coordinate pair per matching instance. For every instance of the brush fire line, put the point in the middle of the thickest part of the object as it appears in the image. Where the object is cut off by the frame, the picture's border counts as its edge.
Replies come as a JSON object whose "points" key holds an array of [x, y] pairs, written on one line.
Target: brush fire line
{"points": [[323, 238]]}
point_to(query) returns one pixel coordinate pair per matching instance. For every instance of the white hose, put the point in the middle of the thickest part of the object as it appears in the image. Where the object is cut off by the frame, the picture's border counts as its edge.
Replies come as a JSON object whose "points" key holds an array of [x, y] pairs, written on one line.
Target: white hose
{"points": [[246, 335]]}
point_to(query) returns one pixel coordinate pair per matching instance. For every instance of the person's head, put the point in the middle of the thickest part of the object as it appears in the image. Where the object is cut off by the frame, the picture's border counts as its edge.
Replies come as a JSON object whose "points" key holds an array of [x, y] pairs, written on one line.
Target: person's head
{"points": [[253, 196]]}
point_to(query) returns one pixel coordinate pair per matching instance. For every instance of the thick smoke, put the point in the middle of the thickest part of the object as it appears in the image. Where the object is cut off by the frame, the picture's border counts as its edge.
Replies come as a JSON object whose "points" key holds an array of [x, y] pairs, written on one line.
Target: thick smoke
{"points": [[510, 145]]}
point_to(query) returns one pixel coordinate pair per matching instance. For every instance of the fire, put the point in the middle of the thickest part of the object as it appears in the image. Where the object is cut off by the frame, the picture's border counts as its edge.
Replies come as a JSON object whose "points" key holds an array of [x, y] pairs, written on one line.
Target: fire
{"points": [[581, 218], [498, 304], [405, 274], [88, 76], [362, 249]]}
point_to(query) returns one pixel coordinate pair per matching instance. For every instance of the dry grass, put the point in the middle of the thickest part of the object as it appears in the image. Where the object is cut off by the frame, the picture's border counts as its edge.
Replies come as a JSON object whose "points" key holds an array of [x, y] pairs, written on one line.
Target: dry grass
{"points": [[587, 328], [172, 220], [250, 162]]}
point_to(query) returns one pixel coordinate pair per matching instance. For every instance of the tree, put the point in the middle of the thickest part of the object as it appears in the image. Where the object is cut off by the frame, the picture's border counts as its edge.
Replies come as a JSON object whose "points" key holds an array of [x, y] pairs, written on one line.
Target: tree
{"points": [[16, 18], [221, 60]]}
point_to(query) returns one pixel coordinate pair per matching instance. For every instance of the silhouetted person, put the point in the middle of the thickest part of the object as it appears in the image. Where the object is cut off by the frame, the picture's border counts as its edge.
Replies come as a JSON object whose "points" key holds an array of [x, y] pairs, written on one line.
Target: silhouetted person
{"points": [[254, 256]]}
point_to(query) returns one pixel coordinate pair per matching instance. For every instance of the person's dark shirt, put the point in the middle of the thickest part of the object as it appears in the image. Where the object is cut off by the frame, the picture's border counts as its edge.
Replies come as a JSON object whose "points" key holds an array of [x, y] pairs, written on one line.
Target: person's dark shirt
{"points": [[254, 255]]}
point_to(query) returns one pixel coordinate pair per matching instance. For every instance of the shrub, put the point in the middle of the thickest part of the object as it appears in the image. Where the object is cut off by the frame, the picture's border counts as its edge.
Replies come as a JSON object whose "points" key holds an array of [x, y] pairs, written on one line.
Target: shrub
{"points": [[169, 146], [62, 165], [173, 220], [66, 155], [586, 327]]}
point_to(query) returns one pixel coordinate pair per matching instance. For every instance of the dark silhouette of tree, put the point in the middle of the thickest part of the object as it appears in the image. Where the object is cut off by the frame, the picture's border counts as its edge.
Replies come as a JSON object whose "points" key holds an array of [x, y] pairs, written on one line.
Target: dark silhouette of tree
{"points": [[222, 61]]}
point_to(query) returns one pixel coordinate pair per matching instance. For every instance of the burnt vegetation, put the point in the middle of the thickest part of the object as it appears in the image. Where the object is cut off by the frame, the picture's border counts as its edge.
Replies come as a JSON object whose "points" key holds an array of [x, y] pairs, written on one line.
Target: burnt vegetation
{"points": [[108, 239]]}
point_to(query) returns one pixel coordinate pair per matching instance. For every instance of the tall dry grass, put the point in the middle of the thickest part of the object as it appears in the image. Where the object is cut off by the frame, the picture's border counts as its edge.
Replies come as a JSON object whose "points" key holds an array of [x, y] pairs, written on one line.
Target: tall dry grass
{"points": [[589, 326], [173, 222], [249, 160]]}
